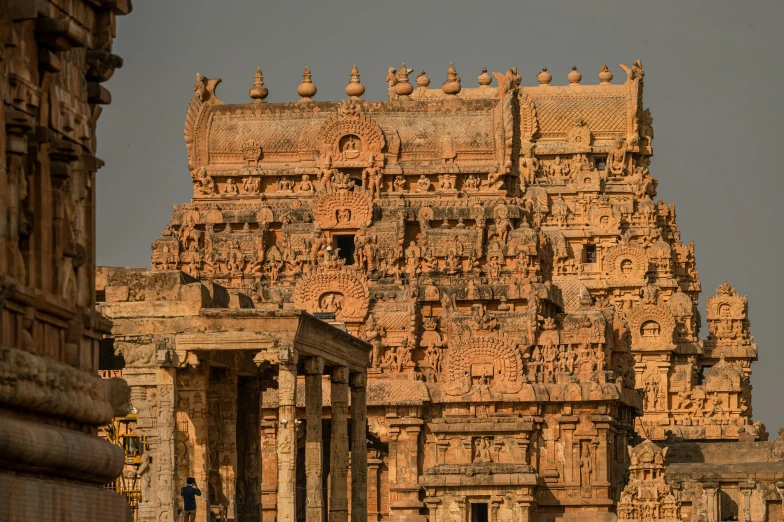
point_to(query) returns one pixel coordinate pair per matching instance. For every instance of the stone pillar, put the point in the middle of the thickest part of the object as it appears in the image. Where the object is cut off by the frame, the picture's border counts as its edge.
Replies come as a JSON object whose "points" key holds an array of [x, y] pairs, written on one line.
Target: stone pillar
{"points": [[287, 439], [359, 460], [711, 501], [744, 513], [338, 469], [314, 444], [374, 477], [192, 432]]}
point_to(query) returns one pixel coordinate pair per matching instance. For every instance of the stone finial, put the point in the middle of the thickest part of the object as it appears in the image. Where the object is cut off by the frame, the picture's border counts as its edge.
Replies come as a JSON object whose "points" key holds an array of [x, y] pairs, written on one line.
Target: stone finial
{"points": [[484, 79], [306, 89], [605, 76], [355, 89], [544, 77], [574, 76], [258, 92], [403, 87], [452, 84], [422, 80]]}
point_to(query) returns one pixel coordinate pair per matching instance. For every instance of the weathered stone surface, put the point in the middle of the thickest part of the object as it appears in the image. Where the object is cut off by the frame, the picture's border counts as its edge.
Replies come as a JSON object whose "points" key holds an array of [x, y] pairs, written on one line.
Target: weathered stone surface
{"points": [[529, 309], [53, 56]]}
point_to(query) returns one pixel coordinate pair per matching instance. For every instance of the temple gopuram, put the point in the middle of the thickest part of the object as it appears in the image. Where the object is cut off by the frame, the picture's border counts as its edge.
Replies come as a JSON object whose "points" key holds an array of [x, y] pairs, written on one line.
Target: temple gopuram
{"points": [[483, 270]]}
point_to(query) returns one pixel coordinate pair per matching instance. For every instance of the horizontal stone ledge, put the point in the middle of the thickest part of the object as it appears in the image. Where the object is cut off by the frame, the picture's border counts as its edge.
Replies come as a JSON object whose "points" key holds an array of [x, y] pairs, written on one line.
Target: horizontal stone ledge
{"points": [[31, 498], [38, 448]]}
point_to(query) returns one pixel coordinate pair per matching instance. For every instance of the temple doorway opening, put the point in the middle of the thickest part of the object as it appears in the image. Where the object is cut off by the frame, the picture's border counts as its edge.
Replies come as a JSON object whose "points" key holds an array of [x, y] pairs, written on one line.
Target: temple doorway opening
{"points": [[479, 512]]}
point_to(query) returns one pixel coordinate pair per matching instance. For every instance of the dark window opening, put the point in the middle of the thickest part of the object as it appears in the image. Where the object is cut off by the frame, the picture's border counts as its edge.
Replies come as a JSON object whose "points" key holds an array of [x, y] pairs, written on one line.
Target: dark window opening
{"points": [[479, 512], [100, 296], [590, 253], [601, 163], [107, 360], [703, 373], [346, 246]]}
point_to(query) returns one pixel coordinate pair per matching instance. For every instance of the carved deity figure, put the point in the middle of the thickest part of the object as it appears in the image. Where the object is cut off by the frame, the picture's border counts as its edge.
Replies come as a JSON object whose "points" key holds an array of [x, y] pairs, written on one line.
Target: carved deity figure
{"points": [[306, 185], [273, 263], [495, 179], [144, 472], [365, 249], [413, 253], [318, 245], [447, 182], [373, 333], [550, 355], [423, 184], [558, 168], [399, 184], [530, 167], [189, 233], [251, 185], [231, 189], [586, 464], [494, 266], [503, 224], [616, 159], [343, 216], [452, 263], [235, 260], [471, 182], [482, 449], [536, 364], [203, 184], [342, 182], [285, 185]]}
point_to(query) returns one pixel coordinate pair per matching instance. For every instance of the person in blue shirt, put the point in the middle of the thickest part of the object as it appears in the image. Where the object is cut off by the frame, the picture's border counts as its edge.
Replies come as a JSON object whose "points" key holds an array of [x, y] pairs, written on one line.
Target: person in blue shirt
{"points": [[189, 493]]}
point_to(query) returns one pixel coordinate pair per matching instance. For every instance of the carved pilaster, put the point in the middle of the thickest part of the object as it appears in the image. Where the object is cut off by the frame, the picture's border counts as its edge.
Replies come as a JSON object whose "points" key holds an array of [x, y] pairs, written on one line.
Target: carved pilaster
{"points": [[359, 460], [287, 440], [314, 445], [338, 499]]}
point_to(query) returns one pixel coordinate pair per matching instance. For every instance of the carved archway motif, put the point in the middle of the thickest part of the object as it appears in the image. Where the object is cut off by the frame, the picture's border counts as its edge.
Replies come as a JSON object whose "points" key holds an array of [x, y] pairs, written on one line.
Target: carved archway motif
{"points": [[659, 326], [342, 291], [496, 351], [343, 210], [617, 268], [349, 123]]}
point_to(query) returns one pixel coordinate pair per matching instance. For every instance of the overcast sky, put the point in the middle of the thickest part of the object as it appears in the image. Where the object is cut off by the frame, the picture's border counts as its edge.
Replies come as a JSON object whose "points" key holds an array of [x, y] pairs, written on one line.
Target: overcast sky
{"points": [[713, 81]]}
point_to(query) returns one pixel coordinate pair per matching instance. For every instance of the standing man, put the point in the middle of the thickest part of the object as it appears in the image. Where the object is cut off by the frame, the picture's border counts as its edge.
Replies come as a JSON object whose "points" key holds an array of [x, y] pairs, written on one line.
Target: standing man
{"points": [[189, 493]]}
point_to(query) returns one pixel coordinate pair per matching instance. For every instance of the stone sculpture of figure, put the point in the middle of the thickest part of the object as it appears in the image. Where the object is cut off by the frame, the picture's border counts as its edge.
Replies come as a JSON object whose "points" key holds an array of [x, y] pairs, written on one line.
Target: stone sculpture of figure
{"points": [[343, 216], [495, 179], [203, 184], [317, 245], [423, 184], [586, 464], [189, 233], [529, 167], [433, 355], [536, 364], [399, 185], [231, 189], [471, 182], [550, 355], [413, 253], [482, 450], [616, 159], [364, 249], [447, 181], [601, 360], [452, 264], [306, 185], [251, 185], [144, 472], [558, 168], [503, 224], [273, 264], [494, 266], [373, 334], [236, 259]]}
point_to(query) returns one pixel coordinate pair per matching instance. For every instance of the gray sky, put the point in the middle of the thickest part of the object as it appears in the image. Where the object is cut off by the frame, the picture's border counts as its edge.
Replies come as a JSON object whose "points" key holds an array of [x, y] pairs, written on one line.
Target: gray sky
{"points": [[713, 81]]}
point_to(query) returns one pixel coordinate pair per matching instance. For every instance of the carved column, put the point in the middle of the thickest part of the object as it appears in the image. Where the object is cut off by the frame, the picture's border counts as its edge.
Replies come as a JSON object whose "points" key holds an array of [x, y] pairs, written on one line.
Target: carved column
{"points": [[314, 444], [287, 438], [373, 478], [359, 460], [192, 432], [711, 501], [338, 469], [746, 489]]}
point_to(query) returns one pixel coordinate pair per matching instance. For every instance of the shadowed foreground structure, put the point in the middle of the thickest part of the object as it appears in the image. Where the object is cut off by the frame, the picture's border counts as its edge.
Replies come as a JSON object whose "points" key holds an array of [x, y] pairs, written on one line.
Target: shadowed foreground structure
{"points": [[530, 313], [54, 55]]}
